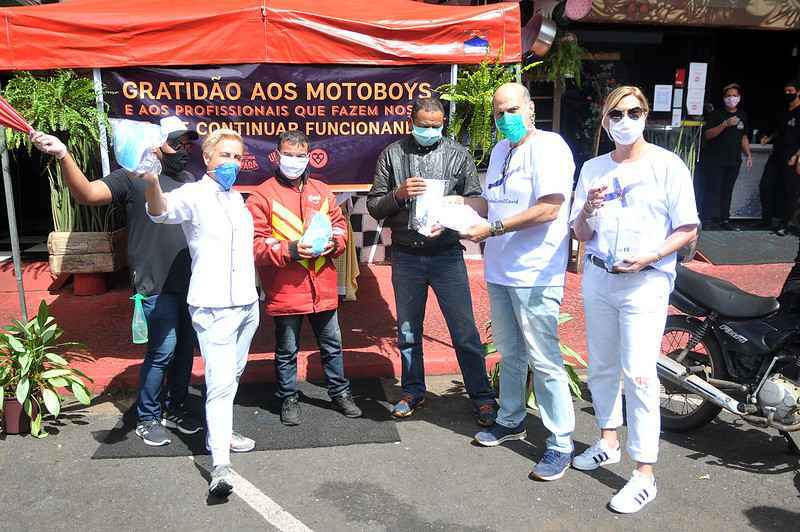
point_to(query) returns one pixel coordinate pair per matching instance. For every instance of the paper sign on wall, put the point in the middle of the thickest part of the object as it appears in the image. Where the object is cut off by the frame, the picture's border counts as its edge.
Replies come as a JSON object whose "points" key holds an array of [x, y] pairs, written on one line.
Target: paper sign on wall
{"points": [[662, 98], [696, 90], [676, 117]]}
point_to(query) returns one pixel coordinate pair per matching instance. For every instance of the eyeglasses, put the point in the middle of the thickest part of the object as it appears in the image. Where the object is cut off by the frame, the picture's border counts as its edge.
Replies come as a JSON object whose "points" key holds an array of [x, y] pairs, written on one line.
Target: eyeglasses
{"points": [[178, 144], [634, 113]]}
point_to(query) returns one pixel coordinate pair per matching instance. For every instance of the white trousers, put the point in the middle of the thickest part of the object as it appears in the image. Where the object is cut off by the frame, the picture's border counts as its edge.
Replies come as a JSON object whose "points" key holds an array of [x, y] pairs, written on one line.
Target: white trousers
{"points": [[625, 318], [224, 335]]}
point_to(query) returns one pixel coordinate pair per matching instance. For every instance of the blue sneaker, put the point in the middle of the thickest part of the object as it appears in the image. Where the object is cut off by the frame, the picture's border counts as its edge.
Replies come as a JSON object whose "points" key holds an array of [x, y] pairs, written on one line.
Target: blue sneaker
{"points": [[552, 465], [497, 434], [406, 405]]}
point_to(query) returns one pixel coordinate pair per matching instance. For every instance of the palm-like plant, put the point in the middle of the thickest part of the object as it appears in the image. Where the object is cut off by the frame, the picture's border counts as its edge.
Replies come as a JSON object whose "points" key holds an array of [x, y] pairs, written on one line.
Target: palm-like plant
{"points": [[32, 370]]}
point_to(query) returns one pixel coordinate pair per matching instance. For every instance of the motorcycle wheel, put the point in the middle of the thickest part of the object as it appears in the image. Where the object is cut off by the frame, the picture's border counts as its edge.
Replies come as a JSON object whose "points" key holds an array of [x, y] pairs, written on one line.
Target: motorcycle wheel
{"points": [[682, 411]]}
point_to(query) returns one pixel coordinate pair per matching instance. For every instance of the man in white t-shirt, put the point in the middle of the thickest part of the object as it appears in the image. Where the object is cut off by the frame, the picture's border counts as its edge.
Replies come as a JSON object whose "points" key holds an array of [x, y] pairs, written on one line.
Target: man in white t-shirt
{"points": [[528, 186]]}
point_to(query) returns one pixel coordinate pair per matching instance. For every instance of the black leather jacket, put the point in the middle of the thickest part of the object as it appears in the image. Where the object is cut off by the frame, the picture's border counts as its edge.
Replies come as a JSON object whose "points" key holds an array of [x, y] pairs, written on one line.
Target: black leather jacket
{"points": [[405, 158]]}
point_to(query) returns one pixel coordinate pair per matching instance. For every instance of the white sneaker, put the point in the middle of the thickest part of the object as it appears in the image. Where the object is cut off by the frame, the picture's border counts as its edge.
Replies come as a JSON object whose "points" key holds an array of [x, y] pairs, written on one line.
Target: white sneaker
{"points": [[239, 443], [639, 490], [597, 455]]}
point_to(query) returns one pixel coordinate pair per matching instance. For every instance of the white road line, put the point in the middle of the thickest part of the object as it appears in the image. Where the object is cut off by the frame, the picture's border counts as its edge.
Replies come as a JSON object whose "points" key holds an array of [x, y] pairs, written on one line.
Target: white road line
{"points": [[272, 512]]}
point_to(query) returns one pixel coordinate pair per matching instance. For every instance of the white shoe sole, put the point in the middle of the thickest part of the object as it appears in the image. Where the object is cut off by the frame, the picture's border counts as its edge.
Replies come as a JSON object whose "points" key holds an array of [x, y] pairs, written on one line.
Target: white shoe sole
{"points": [[547, 479], [631, 511], [222, 489], [594, 466], [152, 443], [511, 437]]}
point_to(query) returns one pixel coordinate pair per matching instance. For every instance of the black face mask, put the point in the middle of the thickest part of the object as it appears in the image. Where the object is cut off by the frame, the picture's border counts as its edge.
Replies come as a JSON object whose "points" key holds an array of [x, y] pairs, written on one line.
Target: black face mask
{"points": [[789, 97], [174, 163]]}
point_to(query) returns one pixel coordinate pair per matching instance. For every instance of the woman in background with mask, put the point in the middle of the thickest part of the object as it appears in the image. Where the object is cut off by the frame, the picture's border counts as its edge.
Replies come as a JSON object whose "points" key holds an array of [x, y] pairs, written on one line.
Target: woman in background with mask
{"points": [[222, 295], [725, 137], [298, 280], [634, 208]]}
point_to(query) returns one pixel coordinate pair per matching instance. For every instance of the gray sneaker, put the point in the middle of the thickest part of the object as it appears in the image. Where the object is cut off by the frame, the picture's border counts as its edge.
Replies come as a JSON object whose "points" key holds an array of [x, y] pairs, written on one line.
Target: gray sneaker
{"points": [[221, 484], [239, 443], [152, 433], [181, 420]]}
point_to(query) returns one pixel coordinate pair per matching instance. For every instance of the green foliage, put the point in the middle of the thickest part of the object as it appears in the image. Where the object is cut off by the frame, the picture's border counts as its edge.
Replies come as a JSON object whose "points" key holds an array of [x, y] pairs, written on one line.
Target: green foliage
{"points": [[63, 105], [473, 120], [564, 60], [683, 141], [32, 371], [574, 379]]}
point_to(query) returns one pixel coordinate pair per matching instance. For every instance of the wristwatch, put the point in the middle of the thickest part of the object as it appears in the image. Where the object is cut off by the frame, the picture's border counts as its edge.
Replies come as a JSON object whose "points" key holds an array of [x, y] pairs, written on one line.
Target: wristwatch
{"points": [[497, 228]]}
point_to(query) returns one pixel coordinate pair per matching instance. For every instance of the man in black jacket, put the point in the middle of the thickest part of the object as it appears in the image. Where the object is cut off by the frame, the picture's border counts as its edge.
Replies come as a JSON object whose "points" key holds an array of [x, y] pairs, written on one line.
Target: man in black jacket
{"points": [[436, 260]]}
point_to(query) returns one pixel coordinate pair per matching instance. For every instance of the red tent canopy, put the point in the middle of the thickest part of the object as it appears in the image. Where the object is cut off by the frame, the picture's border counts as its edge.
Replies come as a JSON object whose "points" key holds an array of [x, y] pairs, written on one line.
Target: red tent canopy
{"points": [[108, 33]]}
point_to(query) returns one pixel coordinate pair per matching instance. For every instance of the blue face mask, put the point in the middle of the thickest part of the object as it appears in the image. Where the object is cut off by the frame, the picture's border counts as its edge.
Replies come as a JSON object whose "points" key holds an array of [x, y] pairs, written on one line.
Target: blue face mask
{"points": [[512, 126], [225, 174], [427, 136]]}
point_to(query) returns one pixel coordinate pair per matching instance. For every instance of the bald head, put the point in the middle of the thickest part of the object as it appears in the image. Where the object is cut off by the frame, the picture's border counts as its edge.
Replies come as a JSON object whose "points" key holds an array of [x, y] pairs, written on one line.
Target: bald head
{"points": [[513, 98]]}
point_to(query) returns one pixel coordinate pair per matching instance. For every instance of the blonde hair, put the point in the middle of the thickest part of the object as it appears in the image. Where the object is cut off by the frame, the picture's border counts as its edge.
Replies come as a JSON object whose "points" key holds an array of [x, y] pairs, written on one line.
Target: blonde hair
{"points": [[616, 96], [215, 137]]}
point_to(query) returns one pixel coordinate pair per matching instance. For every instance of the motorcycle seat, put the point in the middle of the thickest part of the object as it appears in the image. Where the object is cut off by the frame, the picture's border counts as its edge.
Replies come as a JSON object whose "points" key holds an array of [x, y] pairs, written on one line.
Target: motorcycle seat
{"points": [[721, 296]]}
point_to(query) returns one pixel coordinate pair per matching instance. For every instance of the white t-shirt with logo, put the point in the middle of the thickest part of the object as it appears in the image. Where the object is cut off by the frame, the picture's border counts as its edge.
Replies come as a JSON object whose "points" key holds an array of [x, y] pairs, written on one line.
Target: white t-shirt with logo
{"points": [[536, 256], [646, 200]]}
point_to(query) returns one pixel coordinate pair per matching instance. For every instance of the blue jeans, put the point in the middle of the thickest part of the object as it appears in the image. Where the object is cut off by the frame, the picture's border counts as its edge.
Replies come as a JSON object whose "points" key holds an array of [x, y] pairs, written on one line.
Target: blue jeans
{"points": [[446, 273], [524, 328], [329, 339], [170, 352]]}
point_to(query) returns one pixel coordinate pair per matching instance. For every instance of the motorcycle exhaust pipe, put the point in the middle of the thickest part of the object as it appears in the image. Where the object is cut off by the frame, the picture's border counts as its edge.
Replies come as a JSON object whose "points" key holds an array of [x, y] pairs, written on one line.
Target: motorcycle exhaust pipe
{"points": [[676, 374]]}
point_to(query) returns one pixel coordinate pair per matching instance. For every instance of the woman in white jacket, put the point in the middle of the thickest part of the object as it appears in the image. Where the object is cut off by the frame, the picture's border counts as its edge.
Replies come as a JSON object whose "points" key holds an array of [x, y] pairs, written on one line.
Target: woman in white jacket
{"points": [[222, 295], [634, 208]]}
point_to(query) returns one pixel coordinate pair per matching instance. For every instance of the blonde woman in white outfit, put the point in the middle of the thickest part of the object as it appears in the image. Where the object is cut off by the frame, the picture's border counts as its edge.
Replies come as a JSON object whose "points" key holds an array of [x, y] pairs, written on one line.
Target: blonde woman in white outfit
{"points": [[634, 208], [222, 295]]}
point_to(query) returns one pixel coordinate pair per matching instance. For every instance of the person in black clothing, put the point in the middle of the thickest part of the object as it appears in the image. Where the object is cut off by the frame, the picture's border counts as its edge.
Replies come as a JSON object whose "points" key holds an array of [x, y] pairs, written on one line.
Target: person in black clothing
{"points": [[779, 185], [725, 135]]}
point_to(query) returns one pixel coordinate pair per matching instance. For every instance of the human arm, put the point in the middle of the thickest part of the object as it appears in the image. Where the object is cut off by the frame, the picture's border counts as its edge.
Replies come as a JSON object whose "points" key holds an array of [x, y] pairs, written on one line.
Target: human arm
{"points": [[714, 132], [267, 249], [675, 241], [339, 224], [746, 150], [384, 198], [84, 191]]}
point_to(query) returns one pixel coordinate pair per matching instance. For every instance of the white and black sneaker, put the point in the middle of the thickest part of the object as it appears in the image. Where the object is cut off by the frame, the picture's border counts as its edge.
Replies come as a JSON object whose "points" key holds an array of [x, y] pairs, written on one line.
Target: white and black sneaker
{"points": [[597, 455], [152, 433], [639, 490], [180, 419], [221, 484]]}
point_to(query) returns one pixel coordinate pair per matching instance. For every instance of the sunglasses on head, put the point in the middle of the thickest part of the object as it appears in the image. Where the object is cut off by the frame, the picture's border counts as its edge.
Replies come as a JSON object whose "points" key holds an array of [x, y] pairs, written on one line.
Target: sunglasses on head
{"points": [[635, 113]]}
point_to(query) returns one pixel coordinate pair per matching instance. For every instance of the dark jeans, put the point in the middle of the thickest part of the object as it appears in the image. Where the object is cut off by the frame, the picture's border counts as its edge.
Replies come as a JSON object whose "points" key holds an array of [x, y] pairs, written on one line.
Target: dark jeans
{"points": [[446, 273], [718, 182], [771, 192], [329, 339], [170, 351]]}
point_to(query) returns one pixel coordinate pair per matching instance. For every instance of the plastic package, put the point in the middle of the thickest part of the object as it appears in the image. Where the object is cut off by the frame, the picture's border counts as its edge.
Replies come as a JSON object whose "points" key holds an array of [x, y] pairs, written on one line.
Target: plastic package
{"points": [[134, 143], [139, 322], [458, 217], [318, 233]]}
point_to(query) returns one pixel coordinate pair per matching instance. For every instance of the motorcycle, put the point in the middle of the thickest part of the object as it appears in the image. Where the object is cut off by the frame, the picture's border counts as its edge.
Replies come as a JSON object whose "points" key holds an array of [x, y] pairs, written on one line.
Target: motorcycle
{"points": [[729, 350]]}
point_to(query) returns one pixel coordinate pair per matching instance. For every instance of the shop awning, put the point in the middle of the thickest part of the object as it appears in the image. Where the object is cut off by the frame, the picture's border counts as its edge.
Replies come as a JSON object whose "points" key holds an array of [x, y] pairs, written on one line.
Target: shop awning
{"points": [[109, 33]]}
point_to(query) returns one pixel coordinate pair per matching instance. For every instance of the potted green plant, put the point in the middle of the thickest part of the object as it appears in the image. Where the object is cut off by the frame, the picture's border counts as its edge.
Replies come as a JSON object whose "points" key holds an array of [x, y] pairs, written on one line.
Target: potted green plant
{"points": [[33, 367], [85, 239], [573, 360], [473, 120], [564, 60]]}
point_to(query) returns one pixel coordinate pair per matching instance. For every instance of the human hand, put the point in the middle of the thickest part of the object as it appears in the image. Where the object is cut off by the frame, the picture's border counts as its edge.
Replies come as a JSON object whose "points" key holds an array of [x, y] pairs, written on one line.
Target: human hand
{"points": [[413, 186], [436, 231], [792, 160], [764, 139], [48, 144], [478, 232], [329, 247], [305, 251], [749, 163], [732, 121], [635, 264], [595, 199]]}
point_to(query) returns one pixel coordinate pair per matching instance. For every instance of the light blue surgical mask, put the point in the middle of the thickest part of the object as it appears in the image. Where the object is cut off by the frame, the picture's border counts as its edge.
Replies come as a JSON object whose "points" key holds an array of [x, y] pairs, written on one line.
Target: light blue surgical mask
{"points": [[512, 126], [225, 174], [427, 136]]}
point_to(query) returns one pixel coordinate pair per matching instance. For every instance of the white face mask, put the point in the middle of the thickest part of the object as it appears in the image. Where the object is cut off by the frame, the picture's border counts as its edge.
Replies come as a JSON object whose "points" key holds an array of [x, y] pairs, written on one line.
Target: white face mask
{"points": [[732, 101], [293, 167], [626, 131]]}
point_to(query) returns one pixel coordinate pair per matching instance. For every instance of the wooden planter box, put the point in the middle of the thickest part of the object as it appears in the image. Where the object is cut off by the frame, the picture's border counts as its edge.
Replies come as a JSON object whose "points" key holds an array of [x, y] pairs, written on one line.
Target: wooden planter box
{"points": [[73, 252]]}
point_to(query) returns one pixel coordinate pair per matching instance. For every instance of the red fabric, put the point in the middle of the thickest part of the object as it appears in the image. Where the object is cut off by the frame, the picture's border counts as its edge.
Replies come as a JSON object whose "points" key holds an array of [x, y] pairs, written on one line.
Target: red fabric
{"points": [[105, 34], [9, 117], [291, 288]]}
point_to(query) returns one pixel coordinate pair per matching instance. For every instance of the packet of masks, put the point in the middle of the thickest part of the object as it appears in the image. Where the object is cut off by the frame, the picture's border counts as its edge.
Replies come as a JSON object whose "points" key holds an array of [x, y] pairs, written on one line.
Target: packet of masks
{"points": [[458, 217], [424, 213], [134, 142], [318, 233]]}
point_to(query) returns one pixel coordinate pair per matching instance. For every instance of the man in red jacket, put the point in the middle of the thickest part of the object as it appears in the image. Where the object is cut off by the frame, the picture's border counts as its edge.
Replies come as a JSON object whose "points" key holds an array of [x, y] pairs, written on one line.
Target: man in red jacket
{"points": [[298, 283]]}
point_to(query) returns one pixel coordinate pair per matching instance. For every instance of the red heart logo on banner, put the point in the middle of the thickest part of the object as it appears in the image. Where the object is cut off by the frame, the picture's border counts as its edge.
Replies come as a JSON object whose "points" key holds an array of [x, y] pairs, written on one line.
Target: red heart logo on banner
{"points": [[318, 158]]}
